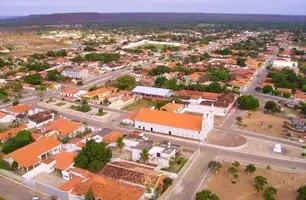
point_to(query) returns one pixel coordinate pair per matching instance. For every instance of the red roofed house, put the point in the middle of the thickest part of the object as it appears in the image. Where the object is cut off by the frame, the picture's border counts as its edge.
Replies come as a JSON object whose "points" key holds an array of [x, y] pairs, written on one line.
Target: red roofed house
{"points": [[64, 128], [30, 156]]}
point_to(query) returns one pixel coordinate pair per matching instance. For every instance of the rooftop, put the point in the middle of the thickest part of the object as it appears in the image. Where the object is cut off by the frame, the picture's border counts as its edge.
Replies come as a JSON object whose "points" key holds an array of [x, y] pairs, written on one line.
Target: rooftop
{"points": [[108, 189], [64, 160], [185, 121], [41, 117], [63, 126], [12, 132], [133, 173], [151, 91], [28, 155], [21, 108], [171, 107], [112, 136]]}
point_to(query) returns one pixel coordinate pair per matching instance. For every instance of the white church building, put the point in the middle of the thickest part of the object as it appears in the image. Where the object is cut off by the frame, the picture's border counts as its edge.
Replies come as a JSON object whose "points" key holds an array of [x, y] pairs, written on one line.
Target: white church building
{"points": [[181, 125]]}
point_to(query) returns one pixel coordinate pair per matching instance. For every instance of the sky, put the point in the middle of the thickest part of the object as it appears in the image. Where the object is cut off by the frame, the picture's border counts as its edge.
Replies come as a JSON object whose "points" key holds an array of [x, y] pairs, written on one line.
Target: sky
{"points": [[27, 7]]}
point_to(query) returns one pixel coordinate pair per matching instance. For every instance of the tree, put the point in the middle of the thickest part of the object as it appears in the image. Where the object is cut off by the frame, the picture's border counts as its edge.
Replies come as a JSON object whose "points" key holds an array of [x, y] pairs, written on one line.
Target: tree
{"points": [[236, 164], [206, 195], [214, 165], [172, 163], [16, 102], [167, 182], [268, 168], [269, 193], [2, 198], [144, 155], [241, 62], [232, 171], [4, 165], [93, 156], [250, 169], [160, 81], [22, 139], [247, 102], [301, 193], [214, 87], [267, 89], [120, 143], [287, 95], [261, 183], [34, 79], [126, 82], [272, 106], [89, 195]]}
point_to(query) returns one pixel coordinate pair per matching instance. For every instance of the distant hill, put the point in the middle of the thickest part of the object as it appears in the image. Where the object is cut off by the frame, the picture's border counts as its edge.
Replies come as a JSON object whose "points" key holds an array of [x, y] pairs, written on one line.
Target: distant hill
{"points": [[61, 18]]}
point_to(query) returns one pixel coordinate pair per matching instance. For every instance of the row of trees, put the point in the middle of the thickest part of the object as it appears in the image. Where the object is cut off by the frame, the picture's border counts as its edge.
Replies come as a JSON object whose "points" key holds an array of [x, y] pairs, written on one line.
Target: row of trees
{"points": [[102, 57], [60, 53]]}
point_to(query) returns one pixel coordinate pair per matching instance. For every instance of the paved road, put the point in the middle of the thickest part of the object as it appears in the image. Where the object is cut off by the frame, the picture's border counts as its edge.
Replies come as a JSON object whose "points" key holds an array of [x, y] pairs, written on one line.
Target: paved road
{"points": [[16, 191], [193, 177]]}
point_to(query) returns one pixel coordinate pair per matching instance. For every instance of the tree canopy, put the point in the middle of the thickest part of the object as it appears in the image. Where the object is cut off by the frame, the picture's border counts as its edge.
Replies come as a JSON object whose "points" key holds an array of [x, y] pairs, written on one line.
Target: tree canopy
{"points": [[247, 102], [206, 195], [272, 106], [126, 82], [22, 139], [94, 156], [34, 79]]}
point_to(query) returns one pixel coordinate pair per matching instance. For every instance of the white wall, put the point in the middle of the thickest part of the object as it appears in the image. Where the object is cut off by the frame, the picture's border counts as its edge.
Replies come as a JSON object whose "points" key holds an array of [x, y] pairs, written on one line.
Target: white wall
{"points": [[7, 119], [165, 130], [201, 109]]}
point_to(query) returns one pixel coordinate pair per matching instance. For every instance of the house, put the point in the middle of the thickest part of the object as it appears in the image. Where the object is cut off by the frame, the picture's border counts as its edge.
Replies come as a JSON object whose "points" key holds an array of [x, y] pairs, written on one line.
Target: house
{"points": [[300, 96], [72, 93], [181, 125], [64, 161], [26, 86], [99, 94], [75, 73], [151, 92], [160, 154], [64, 128], [221, 106], [284, 63], [40, 119], [22, 109], [133, 173], [130, 118], [172, 107], [30, 156], [112, 136], [106, 188], [12, 132], [6, 118]]}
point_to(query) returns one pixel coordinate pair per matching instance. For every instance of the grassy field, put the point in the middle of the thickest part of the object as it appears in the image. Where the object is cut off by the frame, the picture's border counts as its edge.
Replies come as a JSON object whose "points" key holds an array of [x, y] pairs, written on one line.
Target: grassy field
{"points": [[100, 114], [285, 182], [138, 105], [27, 43], [60, 104]]}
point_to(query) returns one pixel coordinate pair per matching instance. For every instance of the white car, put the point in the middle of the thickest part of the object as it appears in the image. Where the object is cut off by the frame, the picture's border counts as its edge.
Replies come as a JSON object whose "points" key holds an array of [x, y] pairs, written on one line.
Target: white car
{"points": [[35, 198]]}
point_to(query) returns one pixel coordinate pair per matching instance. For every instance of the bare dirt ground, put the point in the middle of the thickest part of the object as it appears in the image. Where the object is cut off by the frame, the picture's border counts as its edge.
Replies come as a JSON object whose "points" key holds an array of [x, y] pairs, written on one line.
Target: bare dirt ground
{"points": [[285, 182], [27, 43], [226, 139], [253, 123]]}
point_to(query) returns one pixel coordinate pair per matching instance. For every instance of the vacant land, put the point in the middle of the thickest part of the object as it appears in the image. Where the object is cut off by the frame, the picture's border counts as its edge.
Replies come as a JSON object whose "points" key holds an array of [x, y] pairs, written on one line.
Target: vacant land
{"points": [[27, 43], [138, 105], [286, 184], [272, 124]]}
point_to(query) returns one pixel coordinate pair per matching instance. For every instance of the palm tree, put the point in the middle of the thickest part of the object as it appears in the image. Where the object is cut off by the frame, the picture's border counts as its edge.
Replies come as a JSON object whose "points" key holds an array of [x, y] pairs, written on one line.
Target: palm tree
{"points": [[214, 165], [120, 143], [261, 183], [250, 169], [232, 171], [144, 155]]}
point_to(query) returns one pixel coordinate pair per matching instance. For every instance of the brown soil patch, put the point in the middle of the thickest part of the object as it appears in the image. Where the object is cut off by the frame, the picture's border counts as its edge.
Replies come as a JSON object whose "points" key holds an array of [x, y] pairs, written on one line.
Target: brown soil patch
{"points": [[244, 190], [27, 43]]}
